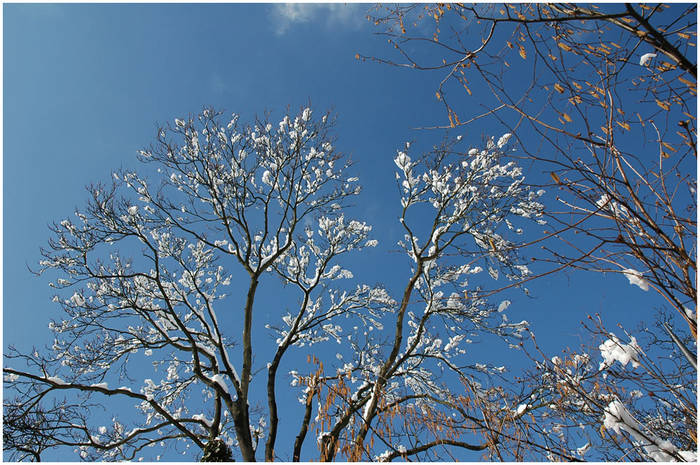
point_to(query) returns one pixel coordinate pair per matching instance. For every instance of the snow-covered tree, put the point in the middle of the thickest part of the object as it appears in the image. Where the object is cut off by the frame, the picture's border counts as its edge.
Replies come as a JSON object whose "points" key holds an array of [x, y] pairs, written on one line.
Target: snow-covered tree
{"points": [[620, 394], [150, 335], [610, 96], [607, 96]]}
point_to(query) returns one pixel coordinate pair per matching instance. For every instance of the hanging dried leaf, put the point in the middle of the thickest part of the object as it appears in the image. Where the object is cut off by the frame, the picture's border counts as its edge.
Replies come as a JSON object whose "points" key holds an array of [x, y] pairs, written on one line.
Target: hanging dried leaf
{"points": [[665, 105], [564, 46], [668, 146], [523, 53], [687, 82]]}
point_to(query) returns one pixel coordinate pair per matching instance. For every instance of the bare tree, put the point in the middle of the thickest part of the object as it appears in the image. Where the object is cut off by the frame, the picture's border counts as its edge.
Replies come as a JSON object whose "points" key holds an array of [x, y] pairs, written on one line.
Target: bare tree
{"points": [[469, 205], [620, 396], [610, 91], [142, 273]]}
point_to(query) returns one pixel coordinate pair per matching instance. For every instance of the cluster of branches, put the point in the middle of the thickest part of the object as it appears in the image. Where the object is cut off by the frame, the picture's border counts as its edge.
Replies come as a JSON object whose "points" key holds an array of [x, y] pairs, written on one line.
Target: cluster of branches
{"points": [[611, 91], [142, 273]]}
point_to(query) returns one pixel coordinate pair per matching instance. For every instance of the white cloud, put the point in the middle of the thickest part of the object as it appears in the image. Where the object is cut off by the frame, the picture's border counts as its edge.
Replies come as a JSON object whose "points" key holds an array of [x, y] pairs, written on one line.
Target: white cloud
{"points": [[348, 15]]}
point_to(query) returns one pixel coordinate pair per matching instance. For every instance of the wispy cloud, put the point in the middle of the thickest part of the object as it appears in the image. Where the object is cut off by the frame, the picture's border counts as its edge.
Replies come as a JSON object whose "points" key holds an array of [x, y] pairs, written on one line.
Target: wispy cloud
{"points": [[334, 15]]}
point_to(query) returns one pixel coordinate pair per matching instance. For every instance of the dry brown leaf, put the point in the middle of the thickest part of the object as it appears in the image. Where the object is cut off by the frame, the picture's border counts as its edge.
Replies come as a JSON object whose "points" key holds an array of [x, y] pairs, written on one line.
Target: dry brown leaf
{"points": [[687, 82], [665, 105], [668, 146]]}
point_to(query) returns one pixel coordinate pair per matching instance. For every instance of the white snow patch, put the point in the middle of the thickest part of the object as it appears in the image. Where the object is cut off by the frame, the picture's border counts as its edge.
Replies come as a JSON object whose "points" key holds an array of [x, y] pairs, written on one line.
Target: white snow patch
{"points": [[635, 277], [503, 140], [646, 58], [614, 350], [520, 410], [217, 378], [618, 419], [581, 451], [505, 304], [202, 418]]}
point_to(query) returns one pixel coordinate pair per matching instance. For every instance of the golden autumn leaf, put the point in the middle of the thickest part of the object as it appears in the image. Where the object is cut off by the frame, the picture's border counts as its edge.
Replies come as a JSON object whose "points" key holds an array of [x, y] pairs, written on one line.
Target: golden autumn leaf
{"points": [[564, 46], [558, 87], [566, 117], [555, 177], [665, 105], [623, 125], [668, 146], [523, 53], [687, 82], [509, 44]]}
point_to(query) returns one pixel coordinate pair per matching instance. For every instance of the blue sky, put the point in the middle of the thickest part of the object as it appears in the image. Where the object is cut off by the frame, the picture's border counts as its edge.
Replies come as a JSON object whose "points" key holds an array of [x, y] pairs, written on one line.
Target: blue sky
{"points": [[86, 85]]}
